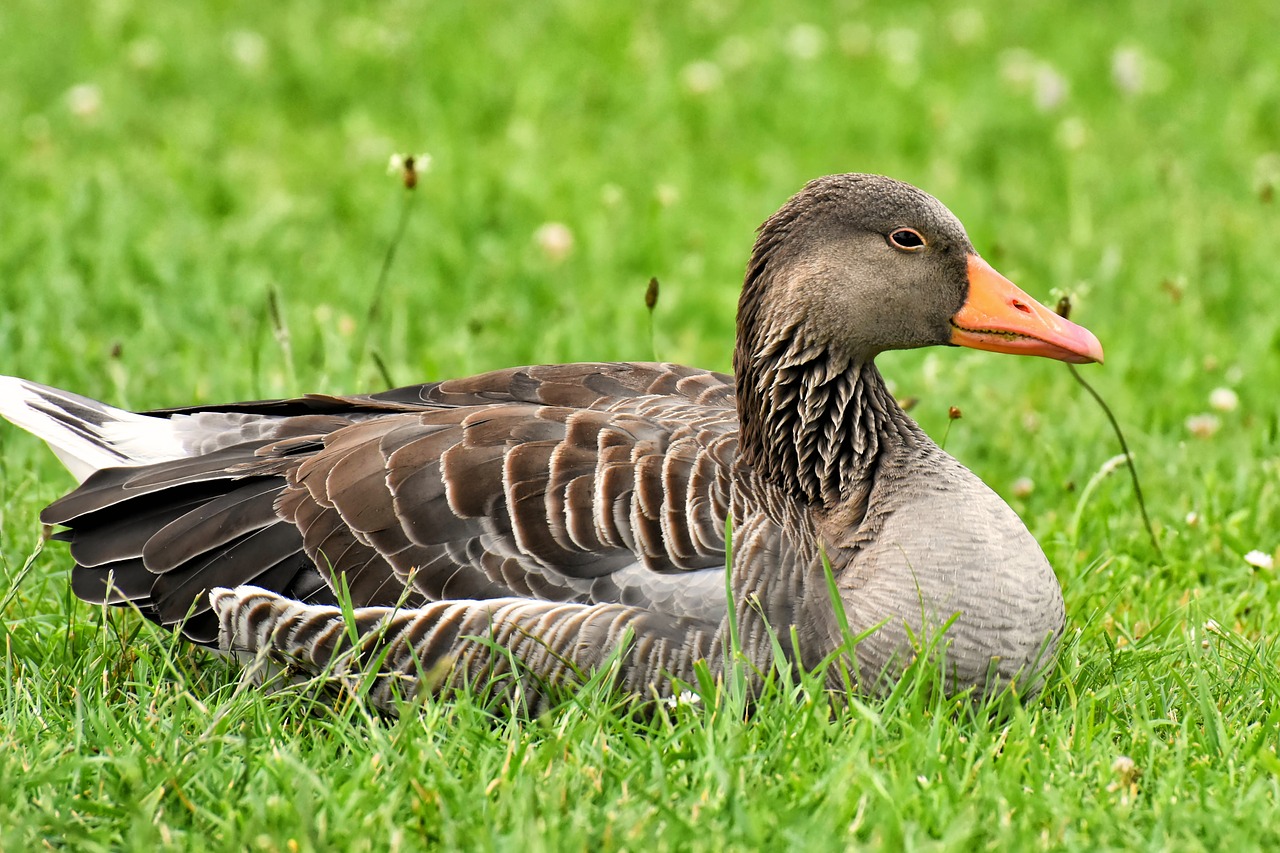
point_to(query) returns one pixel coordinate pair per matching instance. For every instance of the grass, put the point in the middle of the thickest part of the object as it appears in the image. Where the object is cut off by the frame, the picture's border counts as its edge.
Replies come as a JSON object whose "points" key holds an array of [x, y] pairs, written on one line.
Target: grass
{"points": [[170, 166]]}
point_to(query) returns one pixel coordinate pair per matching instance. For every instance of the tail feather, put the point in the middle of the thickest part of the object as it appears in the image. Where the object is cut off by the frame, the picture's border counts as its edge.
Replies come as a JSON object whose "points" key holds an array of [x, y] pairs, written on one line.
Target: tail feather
{"points": [[85, 434]]}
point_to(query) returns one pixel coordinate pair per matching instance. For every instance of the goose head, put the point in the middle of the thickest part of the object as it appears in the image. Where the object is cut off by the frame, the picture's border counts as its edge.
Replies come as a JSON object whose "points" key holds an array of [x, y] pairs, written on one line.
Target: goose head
{"points": [[854, 265], [851, 266]]}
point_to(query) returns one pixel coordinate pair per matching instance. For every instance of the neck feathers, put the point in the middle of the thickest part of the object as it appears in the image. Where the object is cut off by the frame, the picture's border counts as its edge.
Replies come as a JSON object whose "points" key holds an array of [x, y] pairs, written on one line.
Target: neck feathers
{"points": [[813, 422]]}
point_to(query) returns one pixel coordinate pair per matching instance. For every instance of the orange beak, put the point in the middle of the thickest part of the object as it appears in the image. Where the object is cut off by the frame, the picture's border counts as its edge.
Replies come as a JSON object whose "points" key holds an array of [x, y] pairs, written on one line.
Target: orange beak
{"points": [[999, 317]]}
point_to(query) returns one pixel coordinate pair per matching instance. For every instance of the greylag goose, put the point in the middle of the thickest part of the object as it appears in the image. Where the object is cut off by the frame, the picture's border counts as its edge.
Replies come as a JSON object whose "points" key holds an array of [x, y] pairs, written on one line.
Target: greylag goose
{"points": [[515, 530]]}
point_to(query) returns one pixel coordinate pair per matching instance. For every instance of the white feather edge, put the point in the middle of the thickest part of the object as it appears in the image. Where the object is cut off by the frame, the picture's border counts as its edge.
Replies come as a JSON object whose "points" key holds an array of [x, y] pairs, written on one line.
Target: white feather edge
{"points": [[124, 439]]}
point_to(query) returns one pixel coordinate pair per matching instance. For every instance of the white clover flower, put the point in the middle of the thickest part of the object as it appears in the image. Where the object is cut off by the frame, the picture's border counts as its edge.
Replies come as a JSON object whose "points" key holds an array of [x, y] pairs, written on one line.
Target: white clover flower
{"points": [[1127, 71], [1193, 519], [84, 100], [1023, 487], [1018, 67], [684, 697], [806, 42], [1050, 87], [1259, 559], [666, 194], [1203, 425], [555, 240], [1134, 72], [1224, 400], [397, 162], [410, 167], [701, 77], [248, 49], [1023, 71]]}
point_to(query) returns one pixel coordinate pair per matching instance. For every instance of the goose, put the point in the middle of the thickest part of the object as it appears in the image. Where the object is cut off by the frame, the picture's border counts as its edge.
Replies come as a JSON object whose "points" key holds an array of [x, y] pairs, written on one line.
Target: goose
{"points": [[519, 530]]}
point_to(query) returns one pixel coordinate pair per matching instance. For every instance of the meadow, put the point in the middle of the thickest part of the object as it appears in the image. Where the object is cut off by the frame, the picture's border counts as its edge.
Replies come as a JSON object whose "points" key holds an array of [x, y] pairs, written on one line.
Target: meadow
{"points": [[196, 206]]}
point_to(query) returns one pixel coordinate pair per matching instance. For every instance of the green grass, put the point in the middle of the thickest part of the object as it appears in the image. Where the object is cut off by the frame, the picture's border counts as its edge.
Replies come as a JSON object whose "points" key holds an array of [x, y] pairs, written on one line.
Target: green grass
{"points": [[222, 152]]}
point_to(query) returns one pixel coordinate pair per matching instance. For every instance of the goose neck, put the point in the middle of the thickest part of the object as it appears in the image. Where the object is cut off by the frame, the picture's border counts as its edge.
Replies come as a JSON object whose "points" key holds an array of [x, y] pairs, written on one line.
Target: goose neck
{"points": [[813, 422]]}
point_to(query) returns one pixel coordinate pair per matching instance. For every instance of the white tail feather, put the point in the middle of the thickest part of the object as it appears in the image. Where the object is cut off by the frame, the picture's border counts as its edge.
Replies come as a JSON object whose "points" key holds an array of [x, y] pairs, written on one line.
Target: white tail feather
{"points": [[85, 434]]}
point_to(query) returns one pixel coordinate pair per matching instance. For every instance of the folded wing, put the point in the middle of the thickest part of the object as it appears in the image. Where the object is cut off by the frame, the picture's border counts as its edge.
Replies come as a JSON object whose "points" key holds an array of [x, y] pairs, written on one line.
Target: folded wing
{"points": [[591, 484]]}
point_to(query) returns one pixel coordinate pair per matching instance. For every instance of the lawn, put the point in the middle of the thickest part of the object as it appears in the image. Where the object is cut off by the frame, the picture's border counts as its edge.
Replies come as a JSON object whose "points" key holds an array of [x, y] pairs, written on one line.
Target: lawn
{"points": [[169, 172]]}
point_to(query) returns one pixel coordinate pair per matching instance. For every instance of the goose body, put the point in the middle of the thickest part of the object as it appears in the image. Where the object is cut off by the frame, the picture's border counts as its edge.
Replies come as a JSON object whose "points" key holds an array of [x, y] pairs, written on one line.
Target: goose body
{"points": [[512, 529]]}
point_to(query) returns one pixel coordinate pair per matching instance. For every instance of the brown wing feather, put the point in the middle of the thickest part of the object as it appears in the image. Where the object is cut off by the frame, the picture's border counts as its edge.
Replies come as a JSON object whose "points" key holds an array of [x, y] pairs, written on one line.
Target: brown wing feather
{"points": [[539, 482]]}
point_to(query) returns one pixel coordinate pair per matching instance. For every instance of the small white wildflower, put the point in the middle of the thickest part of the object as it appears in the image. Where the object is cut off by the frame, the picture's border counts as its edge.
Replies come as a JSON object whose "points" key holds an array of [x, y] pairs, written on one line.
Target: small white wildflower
{"points": [[1135, 72], [1203, 425], [684, 697], [1193, 519], [1023, 487], [555, 240], [1050, 88], [701, 77], [967, 25], [1259, 559], [248, 49], [806, 42], [1211, 626], [1224, 399], [410, 167], [1127, 773], [1127, 71], [397, 162], [84, 100], [1018, 67]]}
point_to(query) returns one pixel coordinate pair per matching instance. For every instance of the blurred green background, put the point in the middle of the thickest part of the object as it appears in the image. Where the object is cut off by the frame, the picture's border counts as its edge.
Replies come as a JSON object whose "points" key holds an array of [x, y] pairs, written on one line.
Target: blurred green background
{"points": [[165, 167]]}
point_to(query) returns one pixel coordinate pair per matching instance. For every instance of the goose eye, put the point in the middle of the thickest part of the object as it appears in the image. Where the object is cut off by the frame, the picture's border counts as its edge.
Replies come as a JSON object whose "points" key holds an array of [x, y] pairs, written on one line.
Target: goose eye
{"points": [[906, 239]]}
